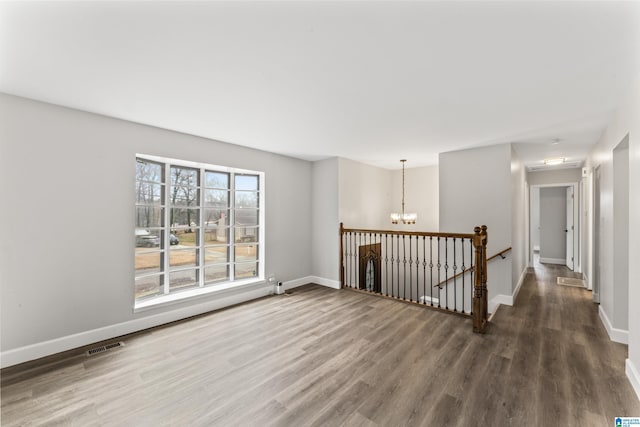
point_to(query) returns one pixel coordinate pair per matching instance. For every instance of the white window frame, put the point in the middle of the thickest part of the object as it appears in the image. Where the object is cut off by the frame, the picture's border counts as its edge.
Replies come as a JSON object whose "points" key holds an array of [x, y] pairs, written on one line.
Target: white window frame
{"points": [[202, 287]]}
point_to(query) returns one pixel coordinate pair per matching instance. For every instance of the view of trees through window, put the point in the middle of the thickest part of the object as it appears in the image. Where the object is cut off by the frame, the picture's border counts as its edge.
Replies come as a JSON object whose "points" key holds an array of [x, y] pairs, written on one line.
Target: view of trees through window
{"points": [[195, 226]]}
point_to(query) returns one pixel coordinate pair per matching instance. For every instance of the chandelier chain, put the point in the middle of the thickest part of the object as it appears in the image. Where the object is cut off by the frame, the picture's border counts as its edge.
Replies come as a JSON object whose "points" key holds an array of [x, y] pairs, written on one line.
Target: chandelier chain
{"points": [[403, 161], [407, 218]]}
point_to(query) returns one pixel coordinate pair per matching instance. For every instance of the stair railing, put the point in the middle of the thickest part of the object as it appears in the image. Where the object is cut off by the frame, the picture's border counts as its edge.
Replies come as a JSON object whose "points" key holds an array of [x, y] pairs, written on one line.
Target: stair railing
{"points": [[491, 258], [412, 266]]}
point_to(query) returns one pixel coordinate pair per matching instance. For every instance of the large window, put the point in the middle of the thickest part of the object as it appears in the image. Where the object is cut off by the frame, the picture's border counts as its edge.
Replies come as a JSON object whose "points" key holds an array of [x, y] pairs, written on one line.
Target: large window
{"points": [[198, 227]]}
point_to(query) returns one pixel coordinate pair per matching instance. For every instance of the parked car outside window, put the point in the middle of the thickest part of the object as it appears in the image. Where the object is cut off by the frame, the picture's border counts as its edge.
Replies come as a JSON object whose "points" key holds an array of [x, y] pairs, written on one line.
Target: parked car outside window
{"points": [[147, 241]]}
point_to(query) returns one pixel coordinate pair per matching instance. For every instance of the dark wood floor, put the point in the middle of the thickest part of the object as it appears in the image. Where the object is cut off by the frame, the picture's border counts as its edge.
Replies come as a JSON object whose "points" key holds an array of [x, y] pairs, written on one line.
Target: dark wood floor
{"points": [[326, 357]]}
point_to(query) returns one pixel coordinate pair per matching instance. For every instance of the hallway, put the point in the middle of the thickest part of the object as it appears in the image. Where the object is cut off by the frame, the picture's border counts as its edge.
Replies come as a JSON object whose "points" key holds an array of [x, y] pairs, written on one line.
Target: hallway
{"points": [[563, 363]]}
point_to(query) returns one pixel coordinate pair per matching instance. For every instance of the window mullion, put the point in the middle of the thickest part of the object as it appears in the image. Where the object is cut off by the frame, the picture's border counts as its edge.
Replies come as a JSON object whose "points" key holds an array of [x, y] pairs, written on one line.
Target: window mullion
{"points": [[201, 245], [166, 227], [261, 227], [232, 221]]}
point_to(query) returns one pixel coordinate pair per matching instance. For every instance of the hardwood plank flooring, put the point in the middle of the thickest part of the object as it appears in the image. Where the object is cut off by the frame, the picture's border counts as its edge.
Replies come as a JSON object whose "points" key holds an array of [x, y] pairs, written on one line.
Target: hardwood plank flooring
{"points": [[322, 357]]}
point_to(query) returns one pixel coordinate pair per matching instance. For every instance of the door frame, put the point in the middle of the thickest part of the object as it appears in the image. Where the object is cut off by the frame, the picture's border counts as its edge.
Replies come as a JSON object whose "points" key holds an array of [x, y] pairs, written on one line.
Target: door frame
{"points": [[570, 256], [595, 233], [577, 208]]}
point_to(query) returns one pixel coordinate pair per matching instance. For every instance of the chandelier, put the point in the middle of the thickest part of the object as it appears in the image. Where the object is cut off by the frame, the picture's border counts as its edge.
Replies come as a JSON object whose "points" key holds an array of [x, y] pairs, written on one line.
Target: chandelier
{"points": [[406, 218]]}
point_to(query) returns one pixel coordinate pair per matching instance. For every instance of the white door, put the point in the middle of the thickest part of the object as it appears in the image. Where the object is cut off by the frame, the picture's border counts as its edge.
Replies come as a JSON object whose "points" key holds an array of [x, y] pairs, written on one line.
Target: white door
{"points": [[569, 228]]}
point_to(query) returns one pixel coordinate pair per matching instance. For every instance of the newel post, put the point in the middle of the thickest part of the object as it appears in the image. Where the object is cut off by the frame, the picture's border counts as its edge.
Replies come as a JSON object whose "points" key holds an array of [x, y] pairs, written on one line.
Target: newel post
{"points": [[485, 293], [341, 256], [480, 303]]}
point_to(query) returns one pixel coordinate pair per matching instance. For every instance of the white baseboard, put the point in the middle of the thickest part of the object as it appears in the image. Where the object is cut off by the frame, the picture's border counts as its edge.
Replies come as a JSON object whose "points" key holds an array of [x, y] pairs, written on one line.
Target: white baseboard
{"points": [[225, 299], [634, 376], [297, 282], [497, 300], [506, 299], [519, 285], [617, 335], [335, 284], [560, 261]]}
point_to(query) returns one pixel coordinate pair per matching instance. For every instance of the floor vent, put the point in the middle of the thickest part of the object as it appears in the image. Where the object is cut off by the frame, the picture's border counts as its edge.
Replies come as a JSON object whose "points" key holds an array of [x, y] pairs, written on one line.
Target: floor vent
{"points": [[104, 348], [569, 281]]}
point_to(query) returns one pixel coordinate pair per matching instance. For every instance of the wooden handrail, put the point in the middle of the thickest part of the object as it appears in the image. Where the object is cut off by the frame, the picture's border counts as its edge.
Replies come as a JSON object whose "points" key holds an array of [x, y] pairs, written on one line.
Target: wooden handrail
{"points": [[407, 233], [499, 254]]}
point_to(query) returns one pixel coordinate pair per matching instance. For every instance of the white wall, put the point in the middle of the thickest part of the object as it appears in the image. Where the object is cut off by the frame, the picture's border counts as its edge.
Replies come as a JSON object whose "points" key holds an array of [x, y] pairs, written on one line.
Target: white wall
{"points": [[66, 264], [421, 196], [368, 195], [364, 195], [553, 220], [535, 218], [586, 221], [554, 176], [625, 121], [629, 117], [519, 213], [475, 189], [621, 232], [325, 250], [603, 156]]}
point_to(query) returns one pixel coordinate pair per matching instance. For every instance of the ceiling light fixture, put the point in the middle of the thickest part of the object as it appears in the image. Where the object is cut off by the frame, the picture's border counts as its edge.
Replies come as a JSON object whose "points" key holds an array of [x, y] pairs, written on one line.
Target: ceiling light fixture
{"points": [[406, 218], [553, 162]]}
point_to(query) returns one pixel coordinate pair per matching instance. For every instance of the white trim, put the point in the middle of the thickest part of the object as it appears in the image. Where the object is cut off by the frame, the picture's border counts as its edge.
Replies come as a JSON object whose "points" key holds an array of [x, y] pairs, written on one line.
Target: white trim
{"points": [[519, 285], [495, 302], [425, 299], [199, 165], [633, 375], [587, 281], [182, 296], [560, 261], [226, 298], [335, 284], [575, 186], [297, 282], [617, 335], [311, 279]]}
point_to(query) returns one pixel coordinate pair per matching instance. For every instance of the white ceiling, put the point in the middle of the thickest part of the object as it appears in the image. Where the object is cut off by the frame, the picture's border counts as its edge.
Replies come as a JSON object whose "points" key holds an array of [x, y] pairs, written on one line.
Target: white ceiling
{"points": [[370, 81]]}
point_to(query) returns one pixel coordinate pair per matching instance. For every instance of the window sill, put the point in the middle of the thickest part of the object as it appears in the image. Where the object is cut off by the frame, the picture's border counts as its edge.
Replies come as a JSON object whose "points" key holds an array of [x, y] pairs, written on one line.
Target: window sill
{"points": [[189, 294]]}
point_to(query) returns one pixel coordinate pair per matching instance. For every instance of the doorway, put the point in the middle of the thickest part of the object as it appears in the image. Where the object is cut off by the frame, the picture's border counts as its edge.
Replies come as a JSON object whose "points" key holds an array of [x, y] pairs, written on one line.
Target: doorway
{"points": [[596, 234], [554, 225], [569, 228]]}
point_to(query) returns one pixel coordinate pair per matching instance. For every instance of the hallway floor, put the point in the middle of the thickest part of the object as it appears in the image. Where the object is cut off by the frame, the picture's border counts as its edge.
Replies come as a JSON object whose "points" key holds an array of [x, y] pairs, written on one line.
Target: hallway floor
{"points": [[571, 371]]}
